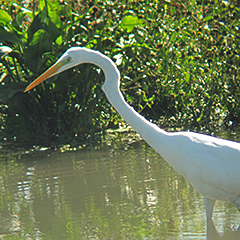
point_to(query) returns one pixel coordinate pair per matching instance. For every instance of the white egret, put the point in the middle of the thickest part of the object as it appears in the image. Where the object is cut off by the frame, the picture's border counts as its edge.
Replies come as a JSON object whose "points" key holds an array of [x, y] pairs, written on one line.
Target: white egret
{"points": [[210, 164]]}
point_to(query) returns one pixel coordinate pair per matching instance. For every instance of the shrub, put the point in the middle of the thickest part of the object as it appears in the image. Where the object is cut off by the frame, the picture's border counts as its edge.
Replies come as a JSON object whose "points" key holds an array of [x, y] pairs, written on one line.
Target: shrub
{"points": [[179, 63]]}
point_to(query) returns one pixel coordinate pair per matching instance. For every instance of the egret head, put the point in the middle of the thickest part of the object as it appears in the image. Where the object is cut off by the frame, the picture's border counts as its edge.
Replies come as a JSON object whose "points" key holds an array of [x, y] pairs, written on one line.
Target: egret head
{"points": [[72, 57]]}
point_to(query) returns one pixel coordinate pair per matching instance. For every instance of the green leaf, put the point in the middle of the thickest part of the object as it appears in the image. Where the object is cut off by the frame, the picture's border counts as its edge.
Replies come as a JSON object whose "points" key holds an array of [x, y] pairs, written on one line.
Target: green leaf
{"points": [[199, 119], [43, 22], [12, 93], [149, 105], [187, 78], [41, 43], [5, 17], [129, 22], [59, 40], [22, 15], [9, 36], [37, 36], [207, 18]]}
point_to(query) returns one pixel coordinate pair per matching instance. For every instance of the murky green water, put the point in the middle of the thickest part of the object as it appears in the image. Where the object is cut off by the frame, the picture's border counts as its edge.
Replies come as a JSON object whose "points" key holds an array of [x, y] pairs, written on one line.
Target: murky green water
{"points": [[104, 194]]}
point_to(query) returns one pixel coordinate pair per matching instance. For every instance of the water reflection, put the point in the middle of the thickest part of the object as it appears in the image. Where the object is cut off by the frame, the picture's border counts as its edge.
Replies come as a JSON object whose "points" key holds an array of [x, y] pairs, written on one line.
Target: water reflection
{"points": [[104, 194], [212, 233]]}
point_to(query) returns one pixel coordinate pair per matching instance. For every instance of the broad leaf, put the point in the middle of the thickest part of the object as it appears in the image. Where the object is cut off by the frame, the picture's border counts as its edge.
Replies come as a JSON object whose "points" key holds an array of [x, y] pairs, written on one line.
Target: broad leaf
{"points": [[6, 36], [5, 17]]}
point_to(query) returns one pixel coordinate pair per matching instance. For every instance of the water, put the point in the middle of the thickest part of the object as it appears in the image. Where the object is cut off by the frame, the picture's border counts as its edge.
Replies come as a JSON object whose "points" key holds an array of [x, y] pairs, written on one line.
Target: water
{"points": [[112, 193]]}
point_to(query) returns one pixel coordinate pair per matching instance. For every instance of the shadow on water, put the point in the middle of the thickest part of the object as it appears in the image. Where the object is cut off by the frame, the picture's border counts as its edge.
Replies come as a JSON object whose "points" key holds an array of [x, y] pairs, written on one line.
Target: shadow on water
{"points": [[110, 193]]}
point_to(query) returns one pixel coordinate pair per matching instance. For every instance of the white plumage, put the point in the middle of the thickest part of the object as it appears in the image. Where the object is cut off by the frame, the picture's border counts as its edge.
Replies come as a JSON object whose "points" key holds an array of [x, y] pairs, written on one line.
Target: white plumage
{"points": [[211, 165]]}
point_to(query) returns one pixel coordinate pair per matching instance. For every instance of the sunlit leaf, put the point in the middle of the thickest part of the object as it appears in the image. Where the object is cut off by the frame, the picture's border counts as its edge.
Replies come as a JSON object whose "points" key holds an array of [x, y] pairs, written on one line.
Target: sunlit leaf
{"points": [[187, 78], [22, 15], [5, 17], [41, 43], [42, 22], [4, 50], [129, 22], [59, 40], [207, 18]]}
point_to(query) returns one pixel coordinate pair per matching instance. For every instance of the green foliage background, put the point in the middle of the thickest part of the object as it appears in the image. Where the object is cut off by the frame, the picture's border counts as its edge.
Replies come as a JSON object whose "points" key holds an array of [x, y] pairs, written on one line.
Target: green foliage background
{"points": [[179, 62]]}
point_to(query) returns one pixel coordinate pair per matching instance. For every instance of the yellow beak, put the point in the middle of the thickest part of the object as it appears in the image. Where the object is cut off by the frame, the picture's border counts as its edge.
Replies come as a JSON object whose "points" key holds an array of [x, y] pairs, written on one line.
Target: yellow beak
{"points": [[50, 72]]}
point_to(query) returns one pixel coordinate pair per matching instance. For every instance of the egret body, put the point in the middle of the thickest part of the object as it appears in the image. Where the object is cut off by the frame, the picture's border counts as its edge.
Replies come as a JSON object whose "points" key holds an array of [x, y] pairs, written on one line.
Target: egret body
{"points": [[210, 164]]}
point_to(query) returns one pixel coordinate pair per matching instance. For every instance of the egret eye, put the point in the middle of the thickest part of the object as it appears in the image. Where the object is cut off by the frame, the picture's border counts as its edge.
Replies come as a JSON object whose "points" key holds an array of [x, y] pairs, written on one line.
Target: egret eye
{"points": [[69, 59]]}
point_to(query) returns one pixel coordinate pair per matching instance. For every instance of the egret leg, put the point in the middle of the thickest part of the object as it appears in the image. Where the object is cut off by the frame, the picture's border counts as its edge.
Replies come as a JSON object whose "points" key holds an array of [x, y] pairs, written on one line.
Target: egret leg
{"points": [[209, 205], [211, 230]]}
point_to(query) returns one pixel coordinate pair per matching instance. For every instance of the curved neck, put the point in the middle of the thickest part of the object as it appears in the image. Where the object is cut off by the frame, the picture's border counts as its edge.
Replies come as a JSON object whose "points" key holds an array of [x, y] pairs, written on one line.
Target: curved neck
{"points": [[146, 129]]}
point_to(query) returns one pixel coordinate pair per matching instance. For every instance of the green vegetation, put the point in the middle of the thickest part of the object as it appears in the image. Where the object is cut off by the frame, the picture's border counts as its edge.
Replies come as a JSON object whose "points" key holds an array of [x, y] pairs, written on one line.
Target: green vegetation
{"points": [[179, 63]]}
